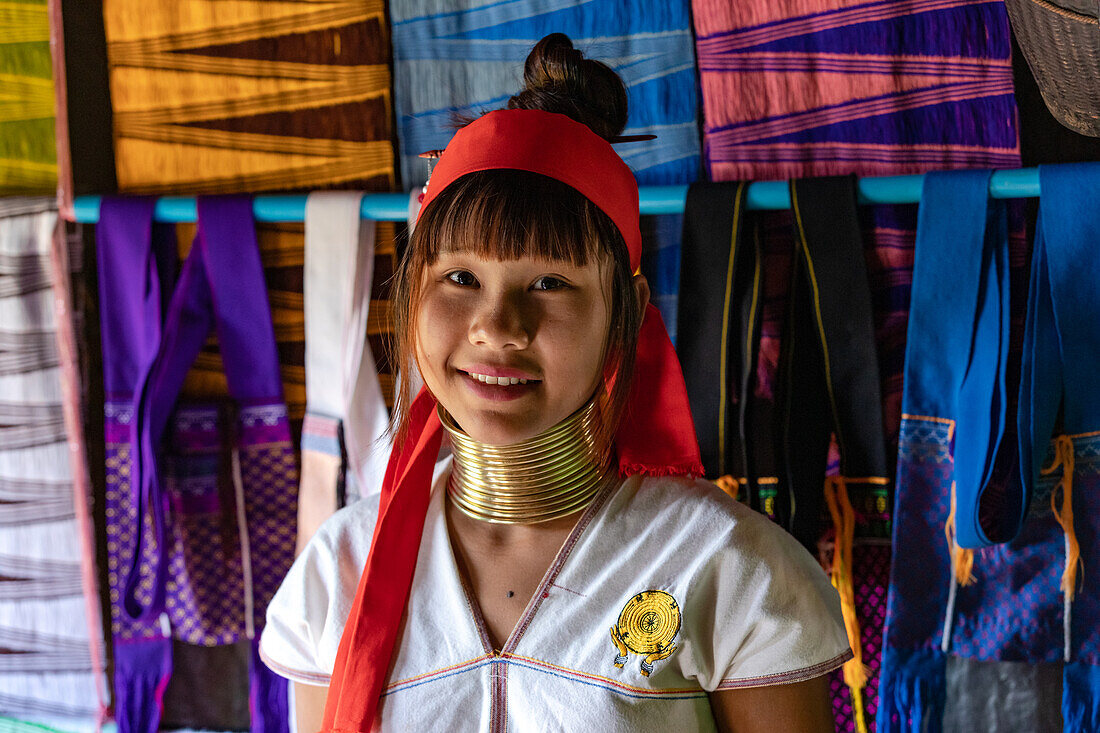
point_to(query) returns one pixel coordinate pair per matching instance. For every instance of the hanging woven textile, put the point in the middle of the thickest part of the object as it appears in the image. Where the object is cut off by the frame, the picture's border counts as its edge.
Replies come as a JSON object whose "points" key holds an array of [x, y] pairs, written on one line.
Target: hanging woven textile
{"points": [[871, 88], [28, 154], [344, 446], [51, 650], [719, 312], [213, 97], [1061, 349], [828, 378], [130, 249], [204, 530], [828, 371], [951, 462], [464, 57], [828, 383]]}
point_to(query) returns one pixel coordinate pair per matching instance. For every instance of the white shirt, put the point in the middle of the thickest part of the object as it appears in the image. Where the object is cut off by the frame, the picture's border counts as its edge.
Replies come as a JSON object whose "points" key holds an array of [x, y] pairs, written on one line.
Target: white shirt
{"points": [[665, 564]]}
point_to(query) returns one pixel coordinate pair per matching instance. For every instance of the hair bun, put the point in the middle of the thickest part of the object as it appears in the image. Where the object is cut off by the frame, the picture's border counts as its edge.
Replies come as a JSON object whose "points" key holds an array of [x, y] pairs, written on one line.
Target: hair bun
{"points": [[558, 78]]}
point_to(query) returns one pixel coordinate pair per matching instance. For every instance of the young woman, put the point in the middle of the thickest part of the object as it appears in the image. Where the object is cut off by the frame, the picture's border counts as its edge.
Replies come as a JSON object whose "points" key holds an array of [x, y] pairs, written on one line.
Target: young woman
{"points": [[560, 569]]}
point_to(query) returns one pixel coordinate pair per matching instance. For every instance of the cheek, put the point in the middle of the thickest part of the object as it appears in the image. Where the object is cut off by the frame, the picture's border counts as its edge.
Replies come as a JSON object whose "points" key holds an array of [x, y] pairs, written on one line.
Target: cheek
{"points": [[427, 345], [584, 335], [438, 328]]}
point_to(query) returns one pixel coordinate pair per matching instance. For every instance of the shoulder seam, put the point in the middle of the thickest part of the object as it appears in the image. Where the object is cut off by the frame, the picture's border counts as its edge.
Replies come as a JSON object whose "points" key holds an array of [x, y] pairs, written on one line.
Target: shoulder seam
{"points": [[296, 675], [787, 678]]}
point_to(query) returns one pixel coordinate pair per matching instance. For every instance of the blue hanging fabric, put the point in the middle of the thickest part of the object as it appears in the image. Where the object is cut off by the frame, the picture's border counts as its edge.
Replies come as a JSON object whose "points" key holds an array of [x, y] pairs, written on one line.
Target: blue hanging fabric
{"points": [[1059, 370], [953, 421]]}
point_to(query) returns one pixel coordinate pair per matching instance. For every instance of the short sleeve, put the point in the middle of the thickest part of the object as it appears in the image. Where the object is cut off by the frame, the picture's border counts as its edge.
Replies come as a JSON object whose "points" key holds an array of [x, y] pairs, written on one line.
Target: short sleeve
{"points": [[306, 617], [769, 614]]}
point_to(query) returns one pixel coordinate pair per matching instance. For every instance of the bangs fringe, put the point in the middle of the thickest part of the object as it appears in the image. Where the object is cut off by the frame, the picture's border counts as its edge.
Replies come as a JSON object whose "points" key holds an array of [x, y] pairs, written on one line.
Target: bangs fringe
{"points": [[507, 215]]}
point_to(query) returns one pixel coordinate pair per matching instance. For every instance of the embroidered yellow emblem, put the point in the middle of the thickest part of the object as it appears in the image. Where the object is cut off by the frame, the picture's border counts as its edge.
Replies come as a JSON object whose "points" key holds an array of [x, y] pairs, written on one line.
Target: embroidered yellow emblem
{"points": [[647, 625]]}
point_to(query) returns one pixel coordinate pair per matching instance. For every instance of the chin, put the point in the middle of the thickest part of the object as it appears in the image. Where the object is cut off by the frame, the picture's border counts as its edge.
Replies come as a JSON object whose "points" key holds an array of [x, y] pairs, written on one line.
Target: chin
{"points": [[498, 432]]}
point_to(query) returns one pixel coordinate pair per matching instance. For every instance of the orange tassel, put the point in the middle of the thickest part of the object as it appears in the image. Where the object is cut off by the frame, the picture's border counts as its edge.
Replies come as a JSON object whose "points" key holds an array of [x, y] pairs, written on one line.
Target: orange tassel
{"points": [[1063, 456], [844, 522], [730, 485], [961, 559]]}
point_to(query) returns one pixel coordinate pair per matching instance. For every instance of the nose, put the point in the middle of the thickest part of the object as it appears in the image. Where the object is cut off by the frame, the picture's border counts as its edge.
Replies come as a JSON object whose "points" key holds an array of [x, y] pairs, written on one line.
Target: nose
{"points": [[500, 322]]}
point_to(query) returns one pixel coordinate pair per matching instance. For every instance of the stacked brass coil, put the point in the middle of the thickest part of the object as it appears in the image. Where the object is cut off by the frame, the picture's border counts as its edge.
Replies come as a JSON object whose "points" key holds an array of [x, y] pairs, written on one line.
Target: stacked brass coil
{"points": [[551, 475]]}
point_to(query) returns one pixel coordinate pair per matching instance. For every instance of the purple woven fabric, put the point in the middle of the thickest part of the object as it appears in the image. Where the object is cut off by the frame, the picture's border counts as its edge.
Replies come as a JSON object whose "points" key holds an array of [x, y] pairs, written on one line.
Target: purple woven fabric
{"points": [[1013, 611], [919, 589], [135, 259], [269, 470], [197, 475], [221, 289], [205, 596], [1081, 679]]}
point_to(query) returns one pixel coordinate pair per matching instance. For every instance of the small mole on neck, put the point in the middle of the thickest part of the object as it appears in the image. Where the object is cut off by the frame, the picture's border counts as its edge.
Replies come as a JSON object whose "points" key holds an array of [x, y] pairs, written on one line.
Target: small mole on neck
{"points": [[511, 593]]}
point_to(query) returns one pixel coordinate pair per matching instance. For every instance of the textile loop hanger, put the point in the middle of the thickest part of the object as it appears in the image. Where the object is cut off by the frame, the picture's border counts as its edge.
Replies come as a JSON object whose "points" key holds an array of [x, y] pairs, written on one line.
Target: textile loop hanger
{"points": [[221, 286]]}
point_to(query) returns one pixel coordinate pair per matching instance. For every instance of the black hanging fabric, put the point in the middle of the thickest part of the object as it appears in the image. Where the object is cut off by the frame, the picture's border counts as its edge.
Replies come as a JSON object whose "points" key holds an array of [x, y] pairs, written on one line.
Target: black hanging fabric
{"points": [[718, 325], [828, 378]]}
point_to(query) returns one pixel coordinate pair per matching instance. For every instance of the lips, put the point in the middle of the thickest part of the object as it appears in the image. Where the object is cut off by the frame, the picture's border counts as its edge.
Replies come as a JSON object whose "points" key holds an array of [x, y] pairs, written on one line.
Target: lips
{"points": [[499, 386]]}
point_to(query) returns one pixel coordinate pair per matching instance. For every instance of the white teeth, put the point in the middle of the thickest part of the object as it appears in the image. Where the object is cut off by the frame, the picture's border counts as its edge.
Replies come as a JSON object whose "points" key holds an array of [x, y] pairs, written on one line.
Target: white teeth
{"points": [[497, 380]]}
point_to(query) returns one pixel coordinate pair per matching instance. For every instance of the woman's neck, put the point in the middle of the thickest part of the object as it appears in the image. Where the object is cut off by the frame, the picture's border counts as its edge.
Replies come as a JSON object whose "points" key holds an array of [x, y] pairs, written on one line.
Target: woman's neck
{"points": [[499, 537]]}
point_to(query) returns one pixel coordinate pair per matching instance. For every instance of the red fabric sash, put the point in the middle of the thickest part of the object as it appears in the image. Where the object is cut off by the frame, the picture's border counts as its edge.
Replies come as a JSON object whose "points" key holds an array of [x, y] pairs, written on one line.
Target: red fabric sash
{"points": [[656, 436]]}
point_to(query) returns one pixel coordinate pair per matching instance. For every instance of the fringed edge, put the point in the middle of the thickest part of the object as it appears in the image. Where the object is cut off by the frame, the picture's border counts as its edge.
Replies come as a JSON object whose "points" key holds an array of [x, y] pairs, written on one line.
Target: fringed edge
{"points": [[912, 691], [1080, 697], [268, 695], [143, 669]]}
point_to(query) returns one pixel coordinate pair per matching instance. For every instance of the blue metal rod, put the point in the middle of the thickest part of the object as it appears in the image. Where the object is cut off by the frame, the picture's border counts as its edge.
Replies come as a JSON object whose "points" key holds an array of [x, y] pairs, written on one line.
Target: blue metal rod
{"points": [[764, 195]]}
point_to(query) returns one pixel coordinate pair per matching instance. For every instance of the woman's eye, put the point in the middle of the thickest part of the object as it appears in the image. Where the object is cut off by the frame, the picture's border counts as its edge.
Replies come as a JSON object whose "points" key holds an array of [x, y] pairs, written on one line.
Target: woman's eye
{"points": [[549, 283], [463, 278]]}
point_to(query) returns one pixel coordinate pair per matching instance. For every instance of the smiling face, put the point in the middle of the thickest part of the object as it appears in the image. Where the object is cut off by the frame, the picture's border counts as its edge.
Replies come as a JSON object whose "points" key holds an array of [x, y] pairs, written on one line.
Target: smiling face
{"points": [[519, 254], [511, 348]]}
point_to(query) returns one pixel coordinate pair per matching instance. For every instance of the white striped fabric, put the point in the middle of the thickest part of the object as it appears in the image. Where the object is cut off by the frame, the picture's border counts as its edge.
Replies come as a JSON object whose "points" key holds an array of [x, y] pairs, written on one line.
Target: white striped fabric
{"points": [[47, 670]]}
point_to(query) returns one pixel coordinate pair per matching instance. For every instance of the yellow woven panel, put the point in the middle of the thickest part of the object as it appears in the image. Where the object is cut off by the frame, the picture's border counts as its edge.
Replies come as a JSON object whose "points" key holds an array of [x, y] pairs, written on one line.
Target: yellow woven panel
{"points": [[221, 96], [28, 153]]}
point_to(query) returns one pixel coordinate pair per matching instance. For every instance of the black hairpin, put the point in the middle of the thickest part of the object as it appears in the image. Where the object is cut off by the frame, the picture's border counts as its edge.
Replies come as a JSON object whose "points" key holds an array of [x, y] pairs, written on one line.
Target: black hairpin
{"points": [[631, 138]]}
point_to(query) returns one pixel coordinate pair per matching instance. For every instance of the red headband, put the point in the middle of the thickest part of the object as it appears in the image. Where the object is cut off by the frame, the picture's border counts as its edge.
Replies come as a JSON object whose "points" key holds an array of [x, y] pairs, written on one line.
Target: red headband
{"points": [[656, 436], [552, 145]]}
